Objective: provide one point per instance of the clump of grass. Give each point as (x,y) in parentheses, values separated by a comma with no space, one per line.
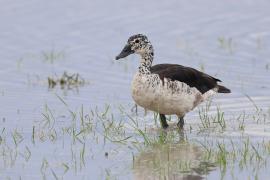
(259,115)
(17,137)
(214,122)
(227,44)
(52,55)
(245,154)
(241,119)
(202,67)
(219,118)
(204,117)
(66,80)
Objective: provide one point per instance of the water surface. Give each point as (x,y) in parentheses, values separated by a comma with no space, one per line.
(227,39)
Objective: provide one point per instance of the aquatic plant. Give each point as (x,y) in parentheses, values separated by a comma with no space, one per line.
(52,55)
(112,130)
(66,80)
(227,44)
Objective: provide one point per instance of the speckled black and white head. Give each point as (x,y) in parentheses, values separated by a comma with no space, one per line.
(138,44)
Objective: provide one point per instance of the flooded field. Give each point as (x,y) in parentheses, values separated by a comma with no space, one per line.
(66,110)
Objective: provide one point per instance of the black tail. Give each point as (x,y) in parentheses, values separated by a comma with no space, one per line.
(222,89)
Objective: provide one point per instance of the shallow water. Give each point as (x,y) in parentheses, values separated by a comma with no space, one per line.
(230,41)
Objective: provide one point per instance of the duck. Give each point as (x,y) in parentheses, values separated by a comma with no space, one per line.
(168,89)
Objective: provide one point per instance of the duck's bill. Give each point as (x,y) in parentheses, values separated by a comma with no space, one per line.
(125,52)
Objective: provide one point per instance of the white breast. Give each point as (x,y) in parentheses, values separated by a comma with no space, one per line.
(167,97)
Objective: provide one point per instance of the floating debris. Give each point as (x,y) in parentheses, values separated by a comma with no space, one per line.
(66,80)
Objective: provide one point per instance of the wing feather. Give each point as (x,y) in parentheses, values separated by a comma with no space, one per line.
(192,77)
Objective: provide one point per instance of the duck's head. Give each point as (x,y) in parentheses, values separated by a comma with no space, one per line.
(138,44)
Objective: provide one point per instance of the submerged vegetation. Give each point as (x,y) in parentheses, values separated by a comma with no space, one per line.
(66,80)
(227,44)
(53,55)
(154,153)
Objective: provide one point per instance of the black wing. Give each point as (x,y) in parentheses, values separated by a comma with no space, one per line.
(192,77)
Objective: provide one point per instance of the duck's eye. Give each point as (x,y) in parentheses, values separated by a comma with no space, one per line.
(136,41)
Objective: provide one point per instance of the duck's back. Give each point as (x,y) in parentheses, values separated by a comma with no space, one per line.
(192,77)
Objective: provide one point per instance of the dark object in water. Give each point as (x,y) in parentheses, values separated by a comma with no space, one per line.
(66,80)
(167,88)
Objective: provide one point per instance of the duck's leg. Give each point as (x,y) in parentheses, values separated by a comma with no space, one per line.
(163,121)
(181,122)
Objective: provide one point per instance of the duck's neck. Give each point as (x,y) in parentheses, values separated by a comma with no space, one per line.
(146,62)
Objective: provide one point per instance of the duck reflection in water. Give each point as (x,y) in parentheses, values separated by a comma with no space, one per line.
(178,160)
